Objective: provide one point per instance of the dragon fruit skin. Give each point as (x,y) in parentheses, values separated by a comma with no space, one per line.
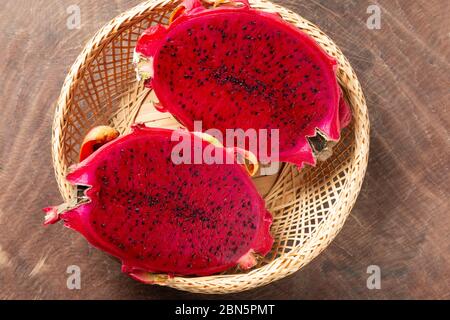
(160,217)
(236,67)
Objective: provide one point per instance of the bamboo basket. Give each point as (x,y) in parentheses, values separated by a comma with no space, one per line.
(309,207)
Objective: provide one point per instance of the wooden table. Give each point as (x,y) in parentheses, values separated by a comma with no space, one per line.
(401,221)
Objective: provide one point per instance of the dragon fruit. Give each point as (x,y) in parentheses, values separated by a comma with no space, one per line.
(234,67)
(158,216)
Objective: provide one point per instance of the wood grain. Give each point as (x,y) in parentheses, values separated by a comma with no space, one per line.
(401,221)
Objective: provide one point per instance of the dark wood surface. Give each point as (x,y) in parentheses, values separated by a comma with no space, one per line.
(401,221)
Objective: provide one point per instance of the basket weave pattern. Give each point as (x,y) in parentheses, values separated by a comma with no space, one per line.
(309,207)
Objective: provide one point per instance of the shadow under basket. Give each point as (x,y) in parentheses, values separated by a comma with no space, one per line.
(309,207)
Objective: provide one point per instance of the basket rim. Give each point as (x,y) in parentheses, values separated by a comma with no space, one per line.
(268,272)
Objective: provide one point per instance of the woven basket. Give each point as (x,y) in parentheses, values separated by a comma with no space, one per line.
(309,207)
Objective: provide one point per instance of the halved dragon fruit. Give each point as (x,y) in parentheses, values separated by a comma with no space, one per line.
(239,68)
(157,216)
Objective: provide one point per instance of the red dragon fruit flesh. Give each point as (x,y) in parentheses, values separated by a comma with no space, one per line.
(158,216)
(234,67)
